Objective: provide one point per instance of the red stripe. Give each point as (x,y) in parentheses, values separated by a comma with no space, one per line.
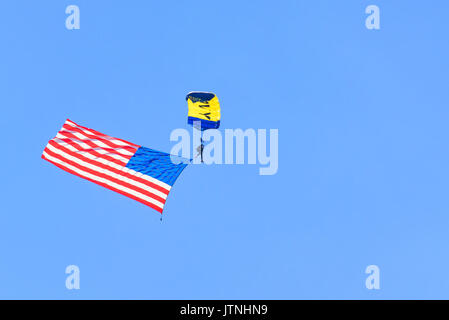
(106,186)
(93,145)
(113,160)
(92,151)
(104,176)
(102,134)
(93,139)
(131,149)
(112,169)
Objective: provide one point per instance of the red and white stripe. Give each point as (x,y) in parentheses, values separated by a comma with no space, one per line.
(102,159)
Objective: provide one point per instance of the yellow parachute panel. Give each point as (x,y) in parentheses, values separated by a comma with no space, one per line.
(204,109)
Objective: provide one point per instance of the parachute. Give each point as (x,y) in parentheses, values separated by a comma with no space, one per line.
(204,112)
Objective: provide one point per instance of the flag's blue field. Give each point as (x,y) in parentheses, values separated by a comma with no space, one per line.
(363,173)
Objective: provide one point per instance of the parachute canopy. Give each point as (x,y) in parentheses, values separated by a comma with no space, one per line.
(204,110)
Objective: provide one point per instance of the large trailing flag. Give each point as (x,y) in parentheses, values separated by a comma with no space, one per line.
(137,172)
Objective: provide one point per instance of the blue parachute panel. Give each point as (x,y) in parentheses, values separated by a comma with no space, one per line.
(205,124)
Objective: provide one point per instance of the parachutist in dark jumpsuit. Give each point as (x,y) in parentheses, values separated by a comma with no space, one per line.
(200,150)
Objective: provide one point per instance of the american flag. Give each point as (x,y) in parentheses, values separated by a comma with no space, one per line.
(140,173)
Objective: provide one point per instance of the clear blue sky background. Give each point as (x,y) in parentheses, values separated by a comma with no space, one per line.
(363,156)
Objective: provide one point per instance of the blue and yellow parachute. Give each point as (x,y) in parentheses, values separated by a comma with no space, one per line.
(204,110)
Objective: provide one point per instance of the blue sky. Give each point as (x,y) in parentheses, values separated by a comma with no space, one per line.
(363,158)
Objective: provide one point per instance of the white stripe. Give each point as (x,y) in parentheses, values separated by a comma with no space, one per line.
(103,136)
(150,179)
(103,170)
(98,142)
(73,124)
(88,147)
(105,181)
(112,164)
(106,172)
